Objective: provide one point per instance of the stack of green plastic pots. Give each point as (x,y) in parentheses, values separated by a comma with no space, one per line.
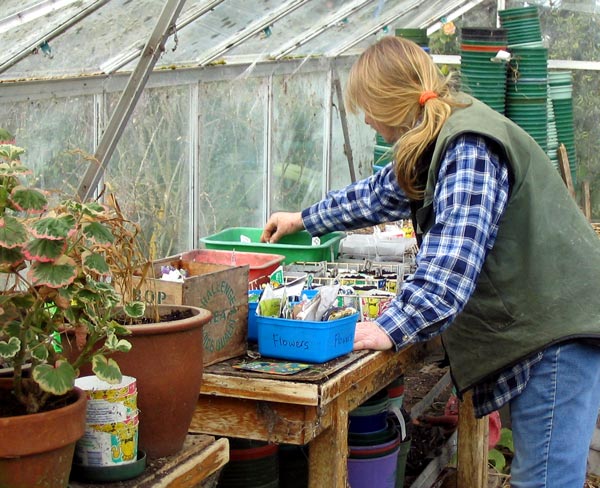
(552,149)
(480,76)
(419,36)
(522,24)
(561,93)
(527,91)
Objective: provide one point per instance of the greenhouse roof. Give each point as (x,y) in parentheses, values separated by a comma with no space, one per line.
(66,38)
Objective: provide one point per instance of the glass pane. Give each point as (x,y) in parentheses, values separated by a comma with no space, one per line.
(149,171)
(297,134)
(53,132)
(361,140)
(447,39)
(231,174)
(85,46)
(215,27)
(293,24)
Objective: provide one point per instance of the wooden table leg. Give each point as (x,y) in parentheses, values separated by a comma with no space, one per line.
(472,469)
(328,452)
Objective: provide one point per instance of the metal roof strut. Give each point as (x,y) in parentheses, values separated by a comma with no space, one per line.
(165,26)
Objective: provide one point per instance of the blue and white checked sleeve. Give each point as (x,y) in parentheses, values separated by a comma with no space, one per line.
(374,200)
(469,200)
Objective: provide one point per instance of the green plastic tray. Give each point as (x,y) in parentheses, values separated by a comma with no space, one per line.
(295,247)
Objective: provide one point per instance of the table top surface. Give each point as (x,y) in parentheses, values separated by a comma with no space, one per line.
(315,372)
(316,385)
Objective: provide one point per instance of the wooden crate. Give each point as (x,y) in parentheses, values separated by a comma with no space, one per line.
(221,289)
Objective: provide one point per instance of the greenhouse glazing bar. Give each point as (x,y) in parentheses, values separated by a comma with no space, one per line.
(31,13)
(30,48)
(329,22)
(373,27)
(249,31)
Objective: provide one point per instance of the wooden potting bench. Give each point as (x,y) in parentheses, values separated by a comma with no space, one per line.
(309,407)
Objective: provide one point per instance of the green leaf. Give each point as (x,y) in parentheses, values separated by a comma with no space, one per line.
(12,232)
(106,369)
(113,343)
(96,263)
(45,250)
(11,153)
(506,439)
(120,330)
(497,459)
(29,199)
(58,379)
(11,256)
(54,227)
(135,309)
(10,349)
(97,232)
(39,352)
(55,275)
(95,207)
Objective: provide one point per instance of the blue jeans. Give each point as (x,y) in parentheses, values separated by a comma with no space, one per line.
(554,418)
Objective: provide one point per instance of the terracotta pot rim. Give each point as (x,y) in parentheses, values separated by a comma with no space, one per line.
(17,423)
(174,325)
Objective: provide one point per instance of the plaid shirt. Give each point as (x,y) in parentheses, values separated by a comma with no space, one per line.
(469,200)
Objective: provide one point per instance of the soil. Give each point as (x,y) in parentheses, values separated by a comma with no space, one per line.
(11,407)
(427,439)
(167,317)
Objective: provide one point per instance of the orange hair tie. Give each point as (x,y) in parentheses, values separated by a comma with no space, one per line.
(427,95)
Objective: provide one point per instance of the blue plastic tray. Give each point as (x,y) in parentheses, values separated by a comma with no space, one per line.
(305,341)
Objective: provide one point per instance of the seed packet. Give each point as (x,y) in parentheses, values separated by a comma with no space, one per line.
(271,367)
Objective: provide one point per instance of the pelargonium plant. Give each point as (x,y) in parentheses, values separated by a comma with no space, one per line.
(60,266)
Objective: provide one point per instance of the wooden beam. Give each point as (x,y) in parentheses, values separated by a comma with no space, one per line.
(321,472)
(565,169)
(260,420)
(587,202)
(472,469)
(344,122)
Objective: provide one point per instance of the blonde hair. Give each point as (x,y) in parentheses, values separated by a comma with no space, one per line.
(386,82)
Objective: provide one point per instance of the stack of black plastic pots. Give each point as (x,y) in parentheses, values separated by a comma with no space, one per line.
(252,464)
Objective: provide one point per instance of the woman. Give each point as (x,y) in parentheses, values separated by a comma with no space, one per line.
(507,269)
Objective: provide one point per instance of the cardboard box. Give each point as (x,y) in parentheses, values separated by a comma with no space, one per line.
(221,289)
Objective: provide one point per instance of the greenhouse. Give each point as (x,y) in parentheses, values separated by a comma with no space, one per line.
(213,127)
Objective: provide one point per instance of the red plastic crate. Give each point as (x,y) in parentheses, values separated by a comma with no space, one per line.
(260,265)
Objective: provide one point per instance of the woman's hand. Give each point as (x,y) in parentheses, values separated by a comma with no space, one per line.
(281,224)
(369,335)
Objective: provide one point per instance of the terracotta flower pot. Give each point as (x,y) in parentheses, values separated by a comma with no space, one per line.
(37,449)
(166,360)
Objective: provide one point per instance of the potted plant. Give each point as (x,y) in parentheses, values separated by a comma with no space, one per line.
(55,261)
(66,271)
